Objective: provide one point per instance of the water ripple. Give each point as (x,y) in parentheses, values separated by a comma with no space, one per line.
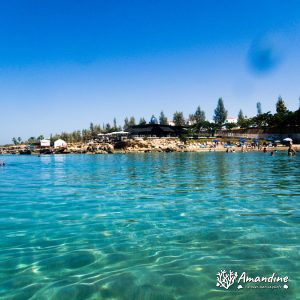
(146,226)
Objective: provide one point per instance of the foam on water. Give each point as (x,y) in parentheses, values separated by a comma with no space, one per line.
(147,226)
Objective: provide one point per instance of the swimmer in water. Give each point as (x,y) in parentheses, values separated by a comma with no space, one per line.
(291,151)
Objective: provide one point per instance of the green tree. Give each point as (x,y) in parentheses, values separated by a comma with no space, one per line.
(258,107)
(107,128)
(230,126)
(66,137)
(262,120)
(131,121)
(241,118)
(85,135)
(220,113)
(115,125)
(75,136)
(178,119)
(31,140)
(163,119)
(41,137)
(15,141)
(142,121)
(126,124)
(210,127)
(199,115)
(280,106)
(91,127)
(92,131)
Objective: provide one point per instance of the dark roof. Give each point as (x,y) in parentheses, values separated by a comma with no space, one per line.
(147,129)
(167,129)
(156,129)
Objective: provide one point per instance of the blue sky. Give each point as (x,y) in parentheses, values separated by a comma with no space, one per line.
(64,64)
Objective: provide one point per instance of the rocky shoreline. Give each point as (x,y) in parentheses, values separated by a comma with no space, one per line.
(133,146)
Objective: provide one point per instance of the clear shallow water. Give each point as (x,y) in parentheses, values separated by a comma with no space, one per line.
(147,226)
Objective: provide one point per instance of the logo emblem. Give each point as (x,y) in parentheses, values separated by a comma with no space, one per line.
(225,280)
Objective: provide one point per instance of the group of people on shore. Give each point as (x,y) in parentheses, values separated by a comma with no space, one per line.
(291,150)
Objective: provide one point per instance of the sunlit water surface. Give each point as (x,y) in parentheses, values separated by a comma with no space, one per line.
(147,226)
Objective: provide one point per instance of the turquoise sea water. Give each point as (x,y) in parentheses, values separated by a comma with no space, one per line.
(147,226)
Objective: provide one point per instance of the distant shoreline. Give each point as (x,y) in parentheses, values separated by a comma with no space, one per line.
(142,146)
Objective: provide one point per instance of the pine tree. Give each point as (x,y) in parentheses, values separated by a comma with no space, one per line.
(220,113)
(115,124)
(163,119)
(258,107)
(280,106)
(126,124)
(107,128)
(178,119)
(142,121)
(241,118)
(131,121)
(199,115)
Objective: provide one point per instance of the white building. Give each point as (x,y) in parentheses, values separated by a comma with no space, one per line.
(231,120)
(60,143)
(170,122)
(45,143)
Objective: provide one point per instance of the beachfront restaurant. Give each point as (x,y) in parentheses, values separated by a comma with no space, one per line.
(112,136)
(156,130)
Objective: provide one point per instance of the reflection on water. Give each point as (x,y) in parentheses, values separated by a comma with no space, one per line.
(147,226)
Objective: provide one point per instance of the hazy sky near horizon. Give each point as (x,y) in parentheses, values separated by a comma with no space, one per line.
(64,64)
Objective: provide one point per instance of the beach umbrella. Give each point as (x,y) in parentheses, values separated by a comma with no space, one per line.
(269,138)
(215,141)
(255,140)
(242,140)
(287,140)
(277,141)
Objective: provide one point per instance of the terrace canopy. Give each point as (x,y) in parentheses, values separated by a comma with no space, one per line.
(156,130)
